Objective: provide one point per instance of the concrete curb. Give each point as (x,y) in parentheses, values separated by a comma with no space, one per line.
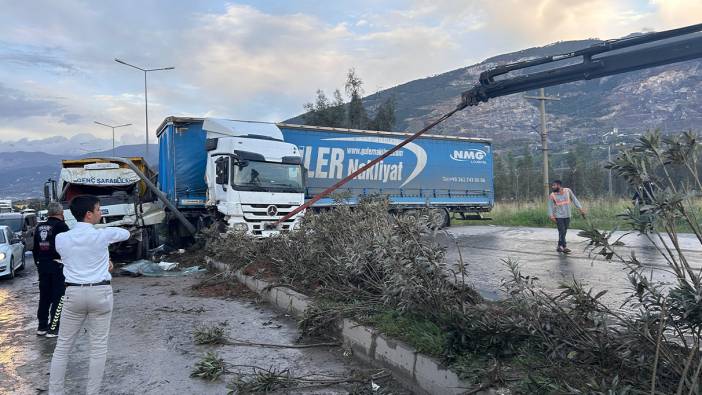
(421,373)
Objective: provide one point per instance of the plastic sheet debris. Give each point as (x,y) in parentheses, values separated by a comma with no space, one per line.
(148,268)
(167,265)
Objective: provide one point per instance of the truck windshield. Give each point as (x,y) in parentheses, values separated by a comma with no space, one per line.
(13,223)
(268,176)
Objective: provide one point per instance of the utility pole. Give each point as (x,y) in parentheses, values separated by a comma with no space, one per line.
(544,135)
(609,158)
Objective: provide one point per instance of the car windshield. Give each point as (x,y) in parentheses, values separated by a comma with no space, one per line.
(268,176)
(14,223)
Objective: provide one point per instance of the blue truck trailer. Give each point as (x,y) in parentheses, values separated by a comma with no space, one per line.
(448,173)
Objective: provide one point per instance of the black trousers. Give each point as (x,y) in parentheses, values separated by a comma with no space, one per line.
(51,289)
(562,225)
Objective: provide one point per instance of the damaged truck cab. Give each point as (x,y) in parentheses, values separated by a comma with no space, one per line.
(125,201)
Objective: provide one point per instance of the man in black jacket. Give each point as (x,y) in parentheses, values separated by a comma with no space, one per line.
(51,280)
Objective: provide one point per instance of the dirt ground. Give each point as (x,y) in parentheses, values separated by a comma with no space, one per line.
(151,350)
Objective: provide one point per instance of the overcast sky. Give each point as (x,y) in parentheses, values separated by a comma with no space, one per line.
(262,60)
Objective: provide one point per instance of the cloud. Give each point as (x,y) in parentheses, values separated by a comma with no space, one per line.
(264,61)
(677,13)
(282,59)
(255,53)
(34,56)
(539,22)
(15,104)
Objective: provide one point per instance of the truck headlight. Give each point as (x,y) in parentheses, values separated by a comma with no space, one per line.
(240,227)
(2,256)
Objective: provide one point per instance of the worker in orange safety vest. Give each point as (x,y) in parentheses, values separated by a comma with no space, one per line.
(559,202)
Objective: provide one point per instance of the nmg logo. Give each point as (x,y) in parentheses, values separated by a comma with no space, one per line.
(471,154)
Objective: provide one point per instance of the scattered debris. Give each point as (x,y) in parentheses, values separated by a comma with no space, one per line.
(219,286)
(148,268)
(167,265)
(210,367)
(213,334)
(193,310)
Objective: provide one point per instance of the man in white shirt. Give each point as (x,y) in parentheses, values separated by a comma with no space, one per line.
(88,298)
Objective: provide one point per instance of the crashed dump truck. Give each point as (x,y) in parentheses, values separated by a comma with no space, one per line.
(125,201)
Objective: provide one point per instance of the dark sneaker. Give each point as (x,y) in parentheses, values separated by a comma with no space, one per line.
(566,250)
(41,332)
(559,249)
(52,333)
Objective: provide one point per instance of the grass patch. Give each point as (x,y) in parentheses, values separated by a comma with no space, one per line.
(603,213)
(209,334)
(419,332)
(210,367)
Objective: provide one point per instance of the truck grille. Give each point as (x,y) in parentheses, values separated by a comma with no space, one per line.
(257,215)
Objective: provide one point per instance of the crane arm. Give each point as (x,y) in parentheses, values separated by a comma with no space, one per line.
(601,60)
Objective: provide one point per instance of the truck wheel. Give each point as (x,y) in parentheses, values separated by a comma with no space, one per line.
(447,218)
(439,218)
(154,238)
(174,234)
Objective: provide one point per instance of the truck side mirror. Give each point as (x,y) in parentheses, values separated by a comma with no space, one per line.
(222,170)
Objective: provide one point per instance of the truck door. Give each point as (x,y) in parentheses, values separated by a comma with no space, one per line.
(222,175)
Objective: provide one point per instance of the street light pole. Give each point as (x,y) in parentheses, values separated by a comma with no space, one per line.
(146,97)
(113,132)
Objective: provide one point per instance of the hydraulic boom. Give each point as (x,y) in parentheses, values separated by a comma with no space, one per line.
(608,58)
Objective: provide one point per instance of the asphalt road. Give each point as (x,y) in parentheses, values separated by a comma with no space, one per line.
(151,350)
(483,249)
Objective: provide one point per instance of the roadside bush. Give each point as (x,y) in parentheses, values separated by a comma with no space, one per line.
(362,254)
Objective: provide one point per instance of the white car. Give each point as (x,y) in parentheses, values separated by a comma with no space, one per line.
(11,253)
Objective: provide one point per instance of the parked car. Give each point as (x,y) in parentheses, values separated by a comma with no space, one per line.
(22,225)
(11,253)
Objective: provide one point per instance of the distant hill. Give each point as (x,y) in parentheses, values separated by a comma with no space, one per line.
(664,97)
(23,173)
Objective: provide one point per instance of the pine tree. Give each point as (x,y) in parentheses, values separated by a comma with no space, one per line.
(385,116)
(337,114)
(356,116)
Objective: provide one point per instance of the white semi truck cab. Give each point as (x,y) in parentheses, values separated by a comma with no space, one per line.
(239,173)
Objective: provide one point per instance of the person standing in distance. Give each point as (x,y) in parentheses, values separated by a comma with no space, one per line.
(559,202)
(88,298)
(51,280)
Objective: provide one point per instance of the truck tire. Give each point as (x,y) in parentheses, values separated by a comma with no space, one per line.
(440,218)
(174,234)
(446,218)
